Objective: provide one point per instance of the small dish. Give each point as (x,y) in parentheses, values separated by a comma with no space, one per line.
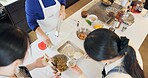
(92,18)
(97,24)
(60,62)
(107,2)
(84,14)
(71,62)
(82,33)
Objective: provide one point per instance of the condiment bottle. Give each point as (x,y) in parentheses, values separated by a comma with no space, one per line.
(119,18)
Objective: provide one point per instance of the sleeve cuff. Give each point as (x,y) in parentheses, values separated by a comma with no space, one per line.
(35,28)
(63,4)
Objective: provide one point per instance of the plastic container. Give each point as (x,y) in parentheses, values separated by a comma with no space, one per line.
(97,24)
(91,18)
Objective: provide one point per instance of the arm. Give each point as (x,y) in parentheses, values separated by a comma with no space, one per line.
(45,38)
(31,66)
(62,12)
(36,64)
(78,71)
(62,9)
(31,16)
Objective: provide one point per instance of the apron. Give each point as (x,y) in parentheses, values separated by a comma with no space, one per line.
(51,15)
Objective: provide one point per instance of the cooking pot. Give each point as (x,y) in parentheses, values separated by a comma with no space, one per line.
(107,2)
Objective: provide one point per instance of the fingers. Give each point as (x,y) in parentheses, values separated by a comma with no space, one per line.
(62,15)
(42,57)
(57,75)
(76,70)
(48,43)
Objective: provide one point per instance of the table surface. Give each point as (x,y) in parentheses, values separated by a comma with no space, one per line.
(136,33)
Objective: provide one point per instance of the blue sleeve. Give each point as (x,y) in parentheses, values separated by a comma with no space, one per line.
(62,2)
(31,15)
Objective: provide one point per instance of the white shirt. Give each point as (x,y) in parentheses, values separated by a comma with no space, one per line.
(113,74)
(116,74)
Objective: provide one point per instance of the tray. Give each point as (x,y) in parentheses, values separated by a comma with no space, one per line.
(99,10)
(71,50)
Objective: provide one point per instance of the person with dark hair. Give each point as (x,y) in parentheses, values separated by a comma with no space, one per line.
(118,57)
(145,7)
(14,47)
(145,4)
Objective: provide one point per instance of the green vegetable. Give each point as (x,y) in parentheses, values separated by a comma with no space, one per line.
(89,22)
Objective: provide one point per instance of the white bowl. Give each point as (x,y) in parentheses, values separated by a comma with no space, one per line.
(92,18)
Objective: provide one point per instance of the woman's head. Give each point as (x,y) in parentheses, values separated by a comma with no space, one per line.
(103,44)
(13,44)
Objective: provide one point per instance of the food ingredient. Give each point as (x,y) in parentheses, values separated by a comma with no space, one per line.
(88,21)
(82,35)
(84,14)
(97,26)
(60,61)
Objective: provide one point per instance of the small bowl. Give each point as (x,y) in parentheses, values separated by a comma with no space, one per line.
(107,2)
(82,33)
(71,62)
(92,18)
(60,61)
(97,24)
(84,14)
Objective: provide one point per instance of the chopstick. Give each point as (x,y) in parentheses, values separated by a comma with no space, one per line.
(52,64)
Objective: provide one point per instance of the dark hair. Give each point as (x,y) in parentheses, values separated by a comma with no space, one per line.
(13,44)
(103,44)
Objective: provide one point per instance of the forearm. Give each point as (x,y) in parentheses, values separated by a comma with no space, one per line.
(62,8)
(40,32)
(78,71)
(31,66)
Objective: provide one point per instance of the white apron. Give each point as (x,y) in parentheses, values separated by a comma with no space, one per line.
(51,15)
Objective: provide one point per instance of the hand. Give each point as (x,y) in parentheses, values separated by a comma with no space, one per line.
(62,14)
(48,43)
(57,75)
(45,38)
(38,63)
(76,70)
